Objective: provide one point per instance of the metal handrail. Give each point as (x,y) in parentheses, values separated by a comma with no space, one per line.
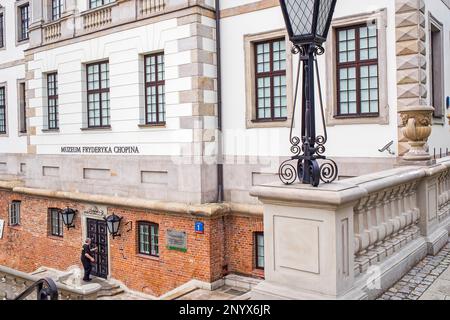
(47,292)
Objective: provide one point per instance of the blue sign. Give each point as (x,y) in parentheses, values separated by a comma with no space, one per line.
(199,227)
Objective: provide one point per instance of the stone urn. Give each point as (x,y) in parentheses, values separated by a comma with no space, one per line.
(417,122)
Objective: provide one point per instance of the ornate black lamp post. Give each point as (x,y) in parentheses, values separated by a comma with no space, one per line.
(308,23)
(113,223)
(68,215)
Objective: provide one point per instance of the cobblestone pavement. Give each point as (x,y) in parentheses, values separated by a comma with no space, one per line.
(428,280)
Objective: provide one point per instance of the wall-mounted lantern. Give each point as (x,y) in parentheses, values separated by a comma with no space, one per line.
(68,216)
(113,222)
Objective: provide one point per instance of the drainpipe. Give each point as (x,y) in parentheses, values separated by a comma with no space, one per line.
(219,107)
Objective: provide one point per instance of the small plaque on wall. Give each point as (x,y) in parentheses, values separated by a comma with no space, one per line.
(2,225)
(176,240)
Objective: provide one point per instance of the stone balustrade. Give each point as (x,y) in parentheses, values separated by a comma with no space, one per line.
(97,18)
(384,222)
(74,23)
(52,31)
(355,238)
(150,7)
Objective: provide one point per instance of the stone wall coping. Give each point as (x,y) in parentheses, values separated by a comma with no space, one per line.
(201,210)
(345,192)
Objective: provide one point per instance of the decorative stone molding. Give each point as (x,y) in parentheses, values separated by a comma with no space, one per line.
(411,60)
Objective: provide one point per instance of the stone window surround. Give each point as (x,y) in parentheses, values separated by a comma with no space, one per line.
(47,13)
(18,4)
(433,22)
(250,85)
(142,123)
(45,127)
(380,17)
(19,120)
(5,85)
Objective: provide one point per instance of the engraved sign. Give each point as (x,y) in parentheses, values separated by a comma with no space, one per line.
(176,240)
(2,225)
(96,211)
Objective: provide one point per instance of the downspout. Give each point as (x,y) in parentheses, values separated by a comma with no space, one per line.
(220,196)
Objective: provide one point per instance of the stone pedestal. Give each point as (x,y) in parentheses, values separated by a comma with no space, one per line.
(309,241)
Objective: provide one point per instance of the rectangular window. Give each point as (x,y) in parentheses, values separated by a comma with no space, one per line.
(271,100)
(22,108)
(2,36)
(98,95)
(155,107)
(2,110)
(97,3)
(57,9)
(259,250)
(52,96)
(14,213)
(436,59)
(24,21)
(56,222)
(148,239)
(357,71)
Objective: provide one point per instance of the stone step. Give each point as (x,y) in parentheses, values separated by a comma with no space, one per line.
(110,292)
(246,283)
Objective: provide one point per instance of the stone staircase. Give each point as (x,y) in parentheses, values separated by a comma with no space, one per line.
(108,289)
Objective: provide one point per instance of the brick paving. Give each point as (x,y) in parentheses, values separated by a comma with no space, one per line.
(427,280)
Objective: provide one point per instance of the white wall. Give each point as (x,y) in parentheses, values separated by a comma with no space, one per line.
(344,141)
(124,50)
(440,138)
(11,54)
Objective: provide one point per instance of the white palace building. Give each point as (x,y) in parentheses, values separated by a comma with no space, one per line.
(169,112)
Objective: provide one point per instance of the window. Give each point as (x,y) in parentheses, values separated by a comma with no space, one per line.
(271,99)
(98,95)
(357,71)
(155,112)
(24,21)
(14,213)
(148,239)
(57,9)
(2,110)
(437,66)
(98,3)
(2,35)
(22,108)
(52,96)
(259,250)
(56,222)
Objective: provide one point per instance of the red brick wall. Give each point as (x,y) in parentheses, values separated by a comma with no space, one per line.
(240,250)
(227,240)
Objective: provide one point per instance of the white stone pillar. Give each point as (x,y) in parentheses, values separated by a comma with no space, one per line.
(309,241)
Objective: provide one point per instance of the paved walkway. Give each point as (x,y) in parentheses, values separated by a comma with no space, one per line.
(429,280)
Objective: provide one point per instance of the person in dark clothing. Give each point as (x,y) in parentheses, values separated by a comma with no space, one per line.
(87,258)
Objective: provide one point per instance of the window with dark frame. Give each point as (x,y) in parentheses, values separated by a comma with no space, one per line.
(22,107)
(155,109)
(2,35)
(357,71)
(259,250)
(52,96)
(2,110)
(24,21)
(148,238)
(56,225)
(14,213)
(98,3)
(98,95)
(57,9)
(270,75)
